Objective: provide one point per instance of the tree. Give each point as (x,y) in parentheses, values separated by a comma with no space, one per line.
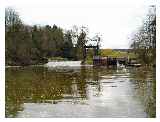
(144,41)
(27,44)
(81,42)
(68,49)
(13,26)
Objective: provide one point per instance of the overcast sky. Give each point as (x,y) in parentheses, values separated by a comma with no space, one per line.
(115,20)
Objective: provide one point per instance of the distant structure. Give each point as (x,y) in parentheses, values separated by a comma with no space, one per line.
(94,47)
(107,61)
(115,62)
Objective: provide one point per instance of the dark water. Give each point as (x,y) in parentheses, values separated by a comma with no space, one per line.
(39,91)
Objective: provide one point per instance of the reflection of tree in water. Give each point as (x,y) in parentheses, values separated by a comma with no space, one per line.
(13,101)
(96,82)
(145,88)
(34,85)
(39,84)
(88,76)
(79,84)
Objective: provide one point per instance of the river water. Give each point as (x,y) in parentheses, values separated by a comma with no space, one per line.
(67,89)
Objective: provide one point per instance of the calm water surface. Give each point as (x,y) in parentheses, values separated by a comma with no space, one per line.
(65,90)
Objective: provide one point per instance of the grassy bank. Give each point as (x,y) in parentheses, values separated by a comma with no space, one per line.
(116,54)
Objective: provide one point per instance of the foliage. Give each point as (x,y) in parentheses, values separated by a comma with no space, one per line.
(27,45)
(144,41)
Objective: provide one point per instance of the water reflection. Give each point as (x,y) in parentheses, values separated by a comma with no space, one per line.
(79,92)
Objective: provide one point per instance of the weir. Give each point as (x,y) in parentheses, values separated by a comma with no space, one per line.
(107,61)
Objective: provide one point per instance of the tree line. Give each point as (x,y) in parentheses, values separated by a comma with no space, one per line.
(144,41)
(25,44)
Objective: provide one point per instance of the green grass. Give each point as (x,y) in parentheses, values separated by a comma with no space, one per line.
(116,54)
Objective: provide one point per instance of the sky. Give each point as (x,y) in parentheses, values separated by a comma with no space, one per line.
(114,20)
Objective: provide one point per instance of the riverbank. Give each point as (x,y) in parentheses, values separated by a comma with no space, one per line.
(18,62)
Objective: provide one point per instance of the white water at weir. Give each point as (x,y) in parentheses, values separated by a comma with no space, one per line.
(64,64)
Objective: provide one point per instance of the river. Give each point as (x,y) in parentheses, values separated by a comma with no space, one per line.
(67,89)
